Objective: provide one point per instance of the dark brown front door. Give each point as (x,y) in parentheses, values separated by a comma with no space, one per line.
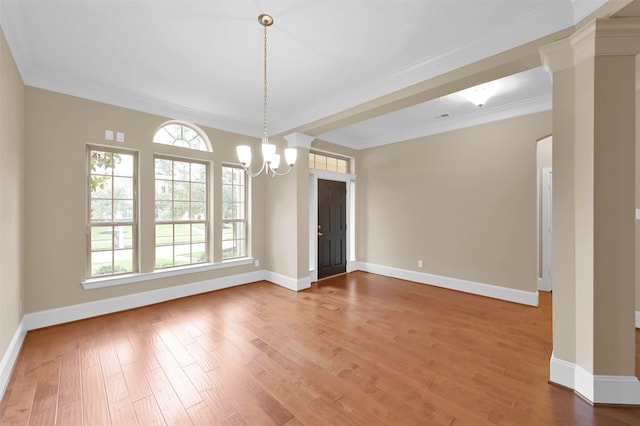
(332,228)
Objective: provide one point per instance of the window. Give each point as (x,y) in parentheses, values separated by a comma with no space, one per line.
(112,212)
(181,134)
(234,213)
(181,233)
(329,163)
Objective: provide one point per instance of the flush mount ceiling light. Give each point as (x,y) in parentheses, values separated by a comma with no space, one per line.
(479,95)
(270,159)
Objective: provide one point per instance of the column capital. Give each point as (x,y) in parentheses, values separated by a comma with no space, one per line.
(600,37)
(558,56)
(299,140)
(617,36)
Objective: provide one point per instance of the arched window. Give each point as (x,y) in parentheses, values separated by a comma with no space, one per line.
(181,134)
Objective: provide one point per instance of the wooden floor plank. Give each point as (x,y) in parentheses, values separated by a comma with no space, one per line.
(213,396)
(70,391)
(148,412)
(358,349)
(94,399)
(201,415)
(45,399)
(171,408)
(122,412)
(17,404)
(137,385)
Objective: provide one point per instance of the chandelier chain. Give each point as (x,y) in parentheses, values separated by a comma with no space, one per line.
(270,158)
(264,124)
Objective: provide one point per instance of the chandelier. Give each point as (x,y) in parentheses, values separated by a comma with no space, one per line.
(270,159)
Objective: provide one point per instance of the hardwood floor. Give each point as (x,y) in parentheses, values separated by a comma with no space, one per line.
(357,349)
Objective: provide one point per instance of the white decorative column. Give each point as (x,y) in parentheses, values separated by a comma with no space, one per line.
(594,182)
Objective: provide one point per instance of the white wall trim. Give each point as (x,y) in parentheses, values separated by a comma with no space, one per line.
(354,266)
(10,356)
(562,372)
(637,319)
(65,314)
(288,282)
(106,306)
(94,283)
(616,390)
(489,290)
(598,389)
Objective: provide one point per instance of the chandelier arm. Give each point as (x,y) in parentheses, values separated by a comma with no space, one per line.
(275,173)
(254,174)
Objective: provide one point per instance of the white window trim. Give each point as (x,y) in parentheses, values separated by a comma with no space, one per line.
(94,283)
(135,222)
(246,220)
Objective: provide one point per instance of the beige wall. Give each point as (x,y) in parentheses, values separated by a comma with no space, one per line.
(58,129)
(464,202)
(637,182)
(281,219)
(11,196)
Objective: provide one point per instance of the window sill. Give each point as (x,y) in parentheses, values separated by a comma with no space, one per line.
(93,283)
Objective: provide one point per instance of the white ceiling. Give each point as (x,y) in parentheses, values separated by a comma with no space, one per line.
(202,60)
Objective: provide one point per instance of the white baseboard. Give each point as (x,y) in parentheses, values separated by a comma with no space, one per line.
(616,390)
(106,306)
(10,356)
(56,316)
(562,373)
(288,282)
(489,290)
(354,265)
(598,389)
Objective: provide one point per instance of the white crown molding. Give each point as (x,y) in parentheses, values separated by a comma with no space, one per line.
(113,97)
(529,298)
(486,115)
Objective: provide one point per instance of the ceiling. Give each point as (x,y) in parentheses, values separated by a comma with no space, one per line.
(201,61)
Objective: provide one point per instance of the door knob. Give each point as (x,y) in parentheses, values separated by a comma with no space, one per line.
(319,234)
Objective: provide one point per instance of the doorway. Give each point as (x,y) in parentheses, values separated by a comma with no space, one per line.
(545,282)
(545,189)
(332,228)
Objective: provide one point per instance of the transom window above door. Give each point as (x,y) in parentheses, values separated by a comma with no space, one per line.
(329,162)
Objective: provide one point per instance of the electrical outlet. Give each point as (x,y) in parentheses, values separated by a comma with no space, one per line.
(420,264)
(108,135)
(256,262)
